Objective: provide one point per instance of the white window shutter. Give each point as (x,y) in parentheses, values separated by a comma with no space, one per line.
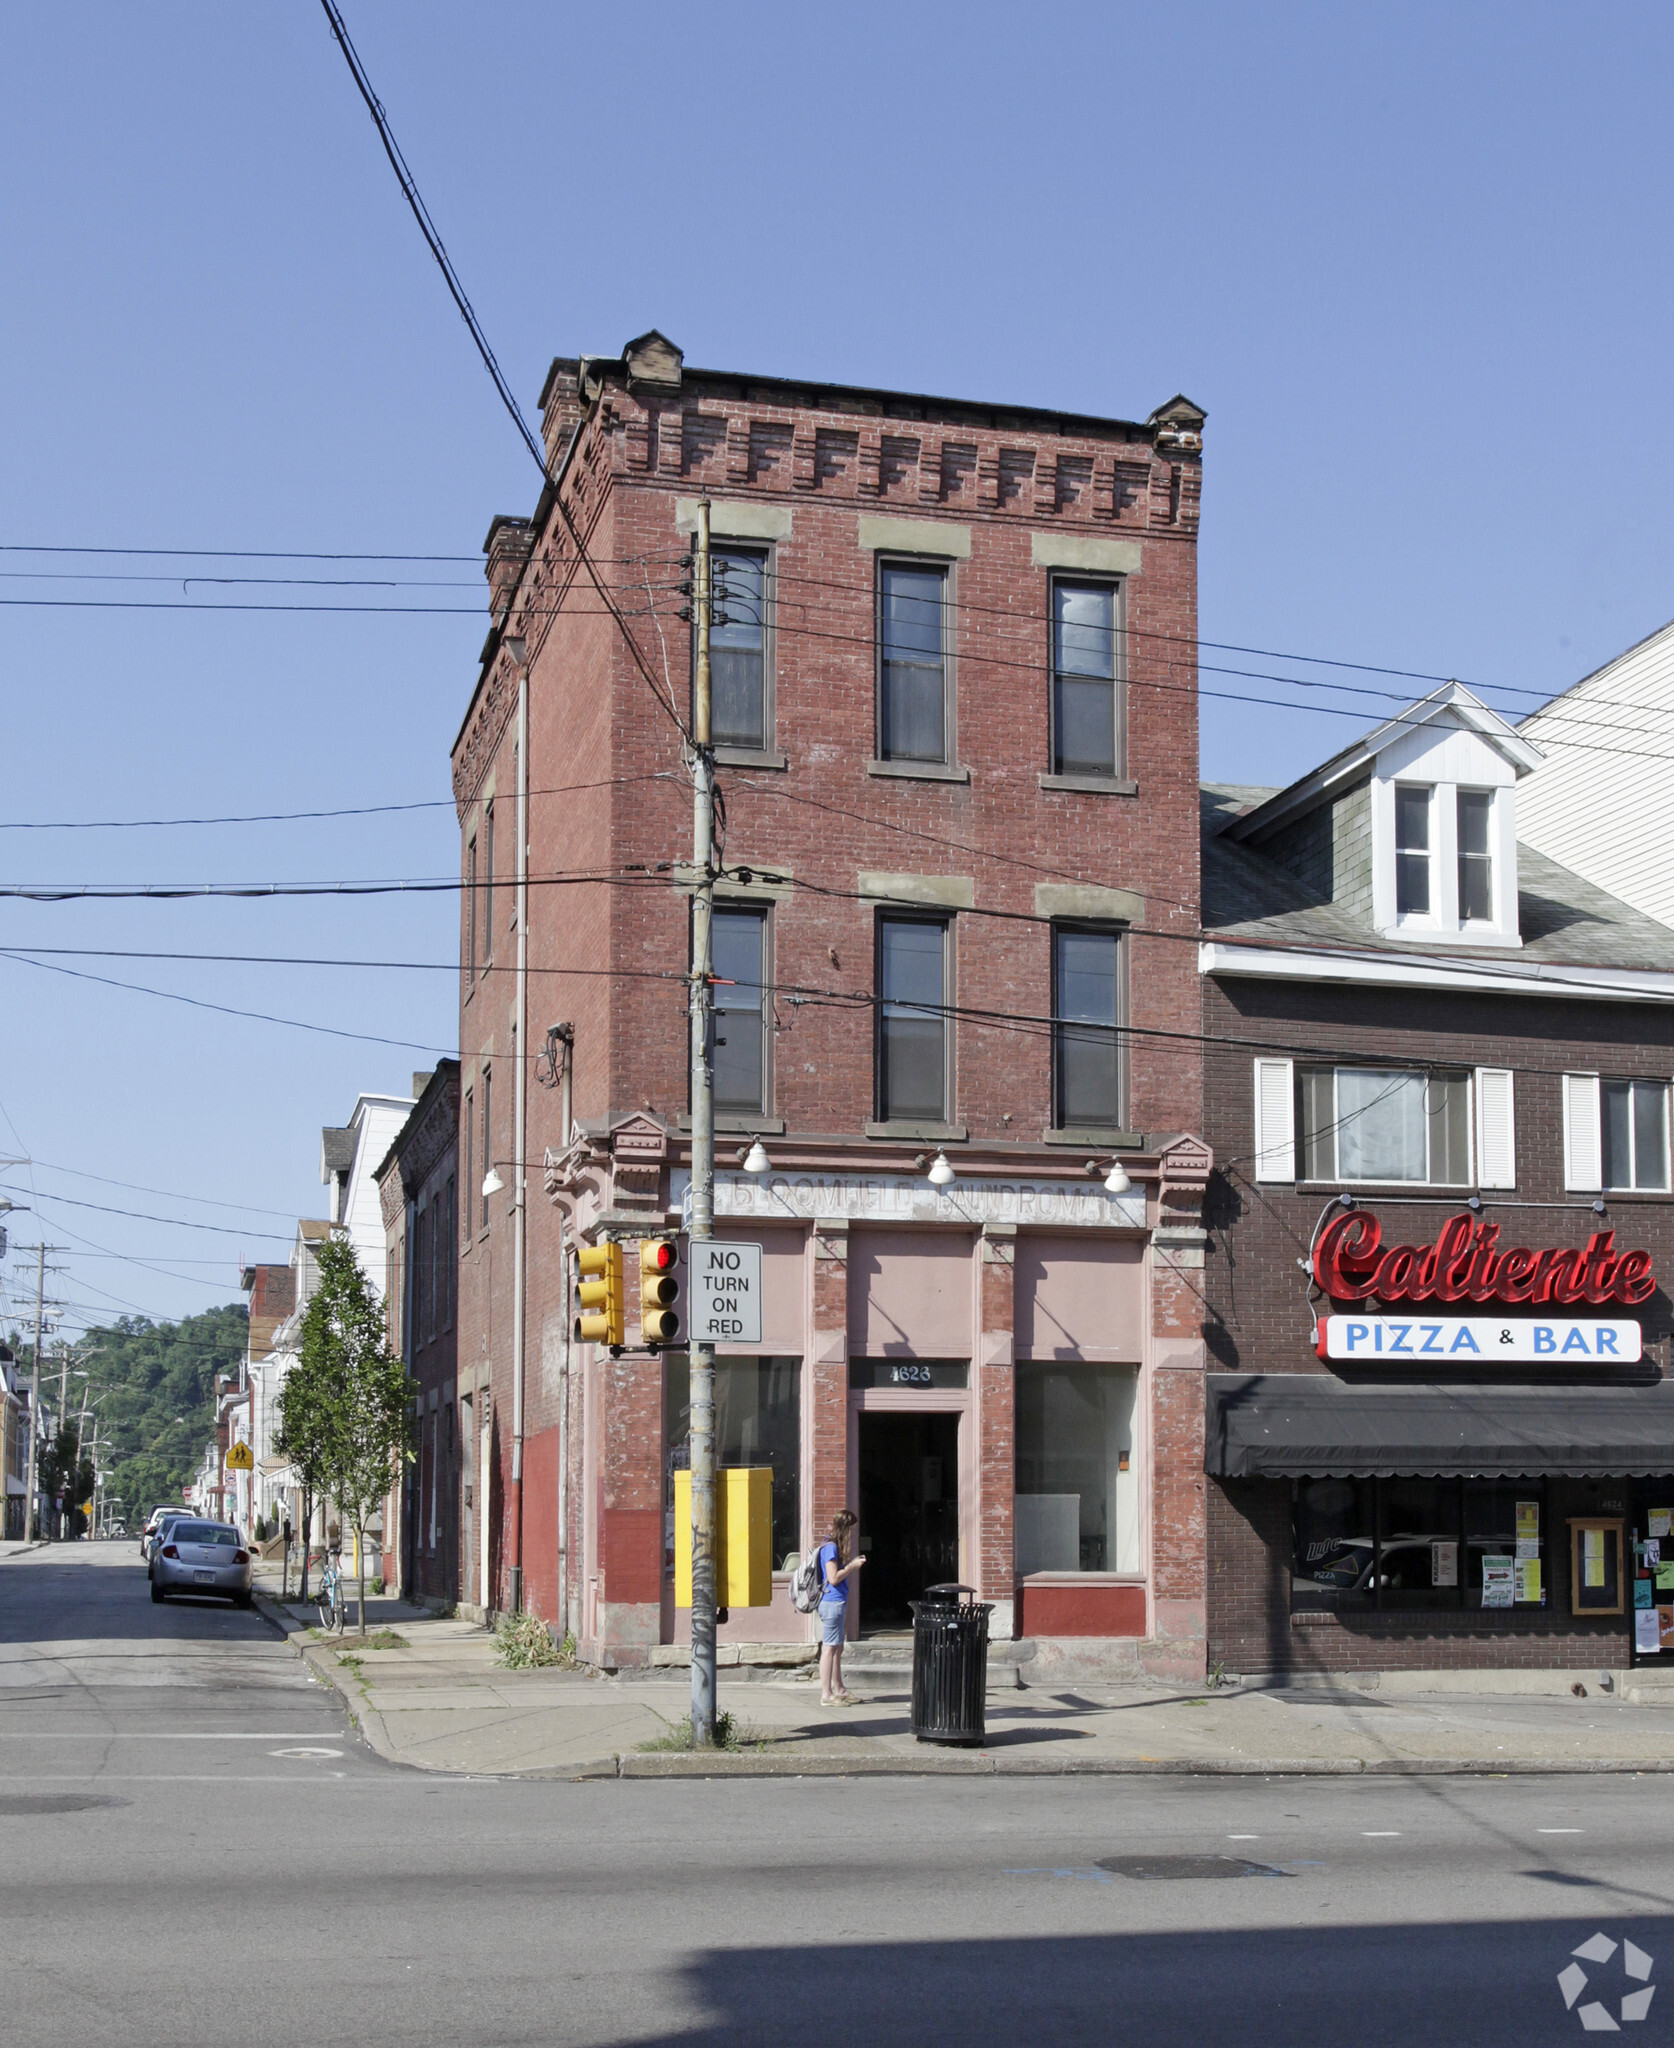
(1583,1150)
(1275,1120)
(1496,1130)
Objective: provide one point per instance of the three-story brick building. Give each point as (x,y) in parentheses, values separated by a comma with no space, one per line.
(956,734)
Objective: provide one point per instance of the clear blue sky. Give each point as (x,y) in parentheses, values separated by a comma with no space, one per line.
(1412,259)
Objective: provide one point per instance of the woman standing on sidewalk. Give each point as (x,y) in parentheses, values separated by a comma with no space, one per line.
(836,1571)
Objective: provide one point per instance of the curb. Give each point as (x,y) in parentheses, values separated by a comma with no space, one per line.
(321,1659)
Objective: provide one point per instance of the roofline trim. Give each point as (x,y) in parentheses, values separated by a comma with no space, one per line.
(1257,961)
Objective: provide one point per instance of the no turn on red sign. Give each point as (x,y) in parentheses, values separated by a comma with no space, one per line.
(724,1292)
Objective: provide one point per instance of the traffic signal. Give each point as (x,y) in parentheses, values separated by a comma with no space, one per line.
(598,1296)
(659,1290)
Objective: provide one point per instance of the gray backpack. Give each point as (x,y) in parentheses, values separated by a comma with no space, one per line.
(808,1587)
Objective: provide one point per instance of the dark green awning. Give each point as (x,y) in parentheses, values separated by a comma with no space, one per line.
(1300,1425)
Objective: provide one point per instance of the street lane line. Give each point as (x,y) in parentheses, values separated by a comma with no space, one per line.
(1379,1834)
(1557,1831)
(1243,1838)
(149,1735)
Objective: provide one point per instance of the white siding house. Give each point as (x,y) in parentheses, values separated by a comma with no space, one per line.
(1599,801)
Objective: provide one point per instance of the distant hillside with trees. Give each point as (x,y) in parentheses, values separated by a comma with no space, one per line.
(158,1384)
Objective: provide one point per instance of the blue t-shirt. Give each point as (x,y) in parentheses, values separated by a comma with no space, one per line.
(837,1595)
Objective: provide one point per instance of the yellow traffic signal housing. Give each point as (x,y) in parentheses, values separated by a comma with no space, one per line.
(659,1290)
(598,1296)
(743,1537)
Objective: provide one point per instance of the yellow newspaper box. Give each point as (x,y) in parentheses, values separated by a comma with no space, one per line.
(743,1537)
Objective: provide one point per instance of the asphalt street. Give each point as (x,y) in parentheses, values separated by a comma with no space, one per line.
(196,1847)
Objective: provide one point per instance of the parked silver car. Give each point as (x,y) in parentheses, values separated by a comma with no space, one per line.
(195,1556)
(151,1534)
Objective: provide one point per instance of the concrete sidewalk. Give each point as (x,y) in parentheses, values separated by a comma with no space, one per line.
(444,1702)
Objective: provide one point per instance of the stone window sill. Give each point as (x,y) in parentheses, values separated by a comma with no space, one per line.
(953,1134)
(744,1126)
(919,771)
(1092,785)
(749,757)
(1126,1141)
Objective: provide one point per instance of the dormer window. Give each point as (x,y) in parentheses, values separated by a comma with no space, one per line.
(1476,856)
(1412,850)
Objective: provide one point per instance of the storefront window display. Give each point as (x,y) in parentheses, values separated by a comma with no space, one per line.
(758,1421)
(1077,1503)
(1443,1544)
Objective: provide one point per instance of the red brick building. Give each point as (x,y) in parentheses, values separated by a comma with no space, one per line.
(1422,1033)
(418,1190)
(956,733)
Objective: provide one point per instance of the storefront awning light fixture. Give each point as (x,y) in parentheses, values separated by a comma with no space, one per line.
(756,1159)
(1116,1181)
(491,1181)
(940,1174)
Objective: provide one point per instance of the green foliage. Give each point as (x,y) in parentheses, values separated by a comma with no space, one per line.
(67,1470)
(524,1643)
(158,1410)
(344,1410)
(729,1735)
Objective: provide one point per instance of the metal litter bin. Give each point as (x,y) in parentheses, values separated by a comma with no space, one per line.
(950,1665)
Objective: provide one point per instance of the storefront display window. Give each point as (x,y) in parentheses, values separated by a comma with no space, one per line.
(1077,1503)
(758,1421)
(1398,1543)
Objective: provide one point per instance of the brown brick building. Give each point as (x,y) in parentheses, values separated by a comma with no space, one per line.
(1415,1023)
(956,729)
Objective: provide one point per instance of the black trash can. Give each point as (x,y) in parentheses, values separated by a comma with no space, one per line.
(950,1665)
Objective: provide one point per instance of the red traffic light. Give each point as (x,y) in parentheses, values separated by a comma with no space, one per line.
(658,1255)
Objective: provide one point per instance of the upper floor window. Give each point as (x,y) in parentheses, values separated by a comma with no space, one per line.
(1635,1134)
(468,1124)
(1086,1010)
(740,714)
(488,880)
(1413,893)
(912,663)
(912,1046)
(1476,855)
(1086,705)
(738,949)
(449,1270)
(1383,1124)
(471,908)
(487,1137)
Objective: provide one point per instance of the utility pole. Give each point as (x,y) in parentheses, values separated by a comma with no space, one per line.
(41,1251)
(703,1157)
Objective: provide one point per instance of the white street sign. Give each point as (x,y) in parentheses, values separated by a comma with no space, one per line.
(724,1292)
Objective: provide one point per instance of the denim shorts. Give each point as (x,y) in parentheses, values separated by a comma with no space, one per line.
(834,1615)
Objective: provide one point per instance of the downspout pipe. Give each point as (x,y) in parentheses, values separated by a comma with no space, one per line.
(520,1125)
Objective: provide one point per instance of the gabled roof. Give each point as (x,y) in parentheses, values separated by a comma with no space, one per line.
(337,1151)
(1452,704)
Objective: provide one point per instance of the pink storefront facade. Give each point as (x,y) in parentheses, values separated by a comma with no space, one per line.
(898,1323)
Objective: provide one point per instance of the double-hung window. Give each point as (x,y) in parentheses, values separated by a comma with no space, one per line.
(488,880)
(468,1124)
(487,1137)
(1086,1015)
(471,909)
(913,723)
(740,712)
(1635,1135)
(738,950)
(912,1046)
(1476,856)
(1413,889)
(1086,703)
(1386,1124)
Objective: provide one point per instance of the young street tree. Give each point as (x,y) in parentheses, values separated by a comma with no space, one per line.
(362,1392)
(66,1474)
(304,1434)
